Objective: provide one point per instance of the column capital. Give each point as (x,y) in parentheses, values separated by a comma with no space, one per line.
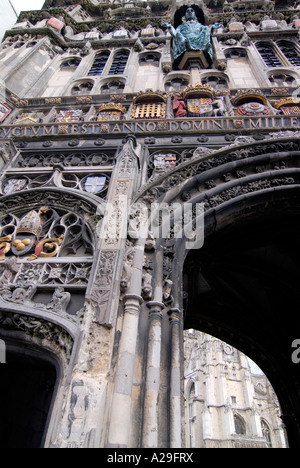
(132,301)
(155,305)
(175,314)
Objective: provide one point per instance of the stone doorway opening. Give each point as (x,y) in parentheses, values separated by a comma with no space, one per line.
(242,287)
(28,383)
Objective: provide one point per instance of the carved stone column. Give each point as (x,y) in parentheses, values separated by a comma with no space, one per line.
(150,419)
(175,380)
(120,420)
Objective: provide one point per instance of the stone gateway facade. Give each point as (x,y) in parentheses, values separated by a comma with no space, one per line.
(143,194)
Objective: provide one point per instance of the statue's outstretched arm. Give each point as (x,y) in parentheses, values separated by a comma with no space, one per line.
(216,26)
(169,27)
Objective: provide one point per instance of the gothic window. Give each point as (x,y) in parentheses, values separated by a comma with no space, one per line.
(96,183)
(290,52)
(71,63)
(235,53)
(114,86)
(176,84)
(149,58)
(268,54)
(266,432)
(119,62)
(282,79)
(99,63)
(57,245)
(239,425)
(82,88)
(216,82)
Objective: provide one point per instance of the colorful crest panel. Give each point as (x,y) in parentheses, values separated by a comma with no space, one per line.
(95,184)
(65,116)
(199,106)
(165,160)
(253,108)
(14,185)
(108,115)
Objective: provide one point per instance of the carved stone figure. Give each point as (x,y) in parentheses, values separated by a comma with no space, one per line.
(179,107)
(127,269)
(60,300)
(147,286)
(167,294)
(191,35)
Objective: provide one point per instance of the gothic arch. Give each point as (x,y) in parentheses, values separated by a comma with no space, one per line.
(247,189)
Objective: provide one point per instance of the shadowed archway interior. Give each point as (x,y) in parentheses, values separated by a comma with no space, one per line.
(27,385)
(243,287)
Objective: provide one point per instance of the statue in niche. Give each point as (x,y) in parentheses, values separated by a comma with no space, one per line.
(179,106)
(191,35)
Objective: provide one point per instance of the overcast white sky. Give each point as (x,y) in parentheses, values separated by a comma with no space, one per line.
(25,5)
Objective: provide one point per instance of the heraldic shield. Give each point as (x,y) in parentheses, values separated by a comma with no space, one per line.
(28,232)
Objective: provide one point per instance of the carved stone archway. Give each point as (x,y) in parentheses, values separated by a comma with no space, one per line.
(38,355)
(251,185)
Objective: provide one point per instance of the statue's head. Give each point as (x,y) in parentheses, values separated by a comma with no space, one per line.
(190,14)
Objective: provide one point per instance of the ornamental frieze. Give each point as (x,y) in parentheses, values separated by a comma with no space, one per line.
(144,127)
